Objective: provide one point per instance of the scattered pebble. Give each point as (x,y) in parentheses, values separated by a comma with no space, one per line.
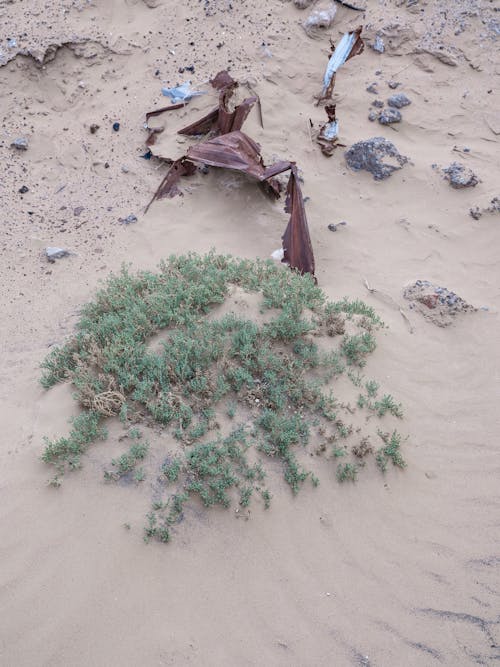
(398,101)
(78,210)
(21,143)
(393,84)
(372,88)
(333,228)
(460,176)
(389,116)
(129,220)
(369,155)
(378,44)
(494,207)
(377,103)
(93,128)
(116,127)
(23,190)
(372,116)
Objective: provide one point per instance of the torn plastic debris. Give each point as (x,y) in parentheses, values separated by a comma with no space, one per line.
(329,132)
(182,93)
(349,46)
(230,148)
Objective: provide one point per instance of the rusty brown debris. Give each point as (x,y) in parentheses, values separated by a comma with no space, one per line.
(230,148)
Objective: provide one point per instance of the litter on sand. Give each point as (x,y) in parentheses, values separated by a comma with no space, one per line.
(329,132)
(182,93)
(349,46)
(228,147)
(320,18)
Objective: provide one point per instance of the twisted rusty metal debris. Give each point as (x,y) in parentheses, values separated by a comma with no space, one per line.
(230,148)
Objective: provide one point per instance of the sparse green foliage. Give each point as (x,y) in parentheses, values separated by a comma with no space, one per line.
(356,348)
(272,371)
(347,472)
(388,404)
(390,451)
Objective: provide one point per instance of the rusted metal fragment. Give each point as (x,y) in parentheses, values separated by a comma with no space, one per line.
(297,247)
(221,120)
(229,121)
(349,46)
(202,126)
(329,132)
(157,112)
(151,140)
(235,150)
(231,148)
(169,186)
(222,80)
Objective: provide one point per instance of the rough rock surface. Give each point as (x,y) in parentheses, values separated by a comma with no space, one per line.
(370,155)
(435,303)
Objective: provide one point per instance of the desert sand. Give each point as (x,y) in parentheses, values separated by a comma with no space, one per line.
(390,571)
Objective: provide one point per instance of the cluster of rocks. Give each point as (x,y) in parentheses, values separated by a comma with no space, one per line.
(494,208)
(437,304)
(391,113)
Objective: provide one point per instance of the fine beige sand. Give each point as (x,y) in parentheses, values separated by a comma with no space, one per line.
(401,570)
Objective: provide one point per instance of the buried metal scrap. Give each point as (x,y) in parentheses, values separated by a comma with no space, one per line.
(349,46)
(230,148)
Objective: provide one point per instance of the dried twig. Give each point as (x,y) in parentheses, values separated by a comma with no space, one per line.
(388,299)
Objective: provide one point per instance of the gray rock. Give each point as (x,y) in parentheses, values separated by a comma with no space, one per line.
(21,143)
(377,103)
(370,154)
(393,84)
(372,88)
(372,116)
(460,176)
(389,116)
(378,44)
(53,253)
(398,101)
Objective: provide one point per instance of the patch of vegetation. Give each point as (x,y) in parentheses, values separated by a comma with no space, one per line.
(390,451)
(347,472)
(207,371)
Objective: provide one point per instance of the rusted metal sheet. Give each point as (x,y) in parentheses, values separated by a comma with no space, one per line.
(231,148)
(297,247)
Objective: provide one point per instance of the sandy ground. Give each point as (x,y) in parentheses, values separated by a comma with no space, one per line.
(396,571)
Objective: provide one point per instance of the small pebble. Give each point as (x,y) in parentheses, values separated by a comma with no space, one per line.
(116,127)
(393,84)
(372,116)
(129,220)
(23,190)
(93,128)
(333,228)
(372,88)
(378,44)
(377,103)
